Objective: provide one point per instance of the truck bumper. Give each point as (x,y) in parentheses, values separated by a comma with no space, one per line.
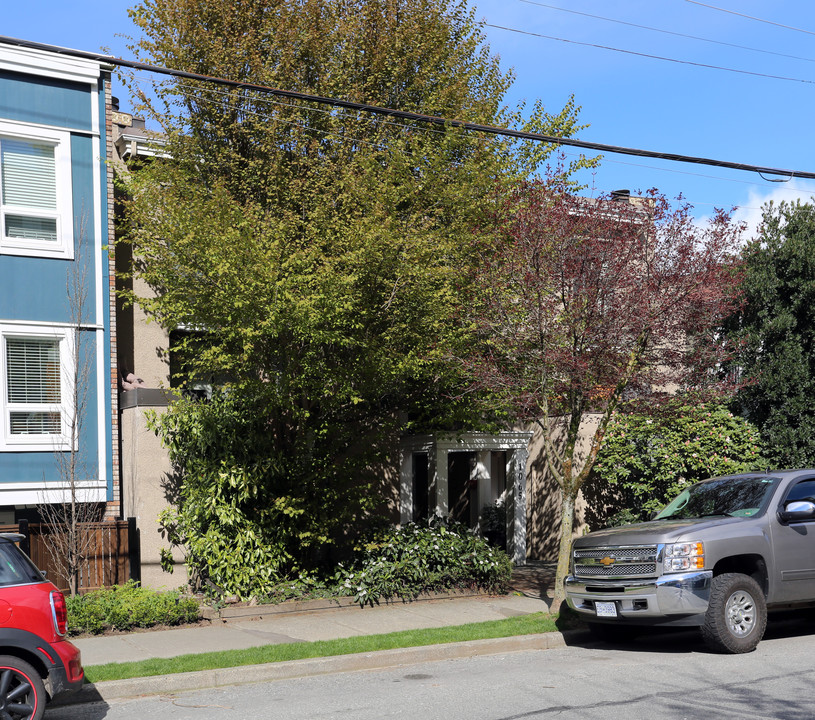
(679,599)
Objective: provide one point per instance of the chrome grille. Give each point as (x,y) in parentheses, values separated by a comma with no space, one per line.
(617,570)
(619,552)
(616,562)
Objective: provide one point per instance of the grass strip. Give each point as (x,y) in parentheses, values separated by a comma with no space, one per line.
(521,625)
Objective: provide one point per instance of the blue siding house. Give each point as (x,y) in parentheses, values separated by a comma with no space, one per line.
(58,400)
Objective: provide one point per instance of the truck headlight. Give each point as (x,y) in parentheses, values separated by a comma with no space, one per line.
(684,556)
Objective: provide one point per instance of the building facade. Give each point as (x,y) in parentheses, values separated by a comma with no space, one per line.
(58,374)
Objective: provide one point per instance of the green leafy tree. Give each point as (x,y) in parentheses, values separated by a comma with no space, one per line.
(648,458)
(319,251)
(776,329)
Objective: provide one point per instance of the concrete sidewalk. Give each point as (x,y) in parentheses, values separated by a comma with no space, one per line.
(289,627)
(287,623)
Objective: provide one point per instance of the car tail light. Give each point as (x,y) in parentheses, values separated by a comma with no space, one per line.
(59,611)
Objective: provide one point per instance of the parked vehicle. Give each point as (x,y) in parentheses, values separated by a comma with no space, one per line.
(37,663)
(719,556)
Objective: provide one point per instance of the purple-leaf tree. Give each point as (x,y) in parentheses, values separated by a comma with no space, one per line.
(584,302)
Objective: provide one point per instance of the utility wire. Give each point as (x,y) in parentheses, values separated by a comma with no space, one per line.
(787,188)
(194,91)
(195,94)
(667,32)
(750,17)
(647,55)
(405,115)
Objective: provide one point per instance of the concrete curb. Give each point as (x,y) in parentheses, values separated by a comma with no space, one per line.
(247,674)
(230,613)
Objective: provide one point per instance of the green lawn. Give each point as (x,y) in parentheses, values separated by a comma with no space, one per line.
(522,625)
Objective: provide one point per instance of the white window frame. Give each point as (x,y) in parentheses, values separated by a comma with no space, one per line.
(63,248)
(67,352)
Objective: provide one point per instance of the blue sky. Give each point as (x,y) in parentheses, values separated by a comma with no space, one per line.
(627,99)
(641,102)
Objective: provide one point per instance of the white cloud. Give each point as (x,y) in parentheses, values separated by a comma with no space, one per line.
(750,211)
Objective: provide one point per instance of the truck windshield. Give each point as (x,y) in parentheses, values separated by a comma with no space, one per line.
(736,497)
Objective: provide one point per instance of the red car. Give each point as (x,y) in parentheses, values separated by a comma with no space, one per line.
(37,663)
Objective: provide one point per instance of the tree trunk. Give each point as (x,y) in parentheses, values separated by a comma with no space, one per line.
(567,505)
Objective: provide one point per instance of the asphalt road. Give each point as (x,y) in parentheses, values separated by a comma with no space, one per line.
(665,676)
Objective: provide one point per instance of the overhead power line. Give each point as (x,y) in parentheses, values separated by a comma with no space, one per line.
(667,32)
(750,17)
(405,115)
(195,91)
(649,56)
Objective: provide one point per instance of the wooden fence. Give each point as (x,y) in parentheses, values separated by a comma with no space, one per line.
(112,557)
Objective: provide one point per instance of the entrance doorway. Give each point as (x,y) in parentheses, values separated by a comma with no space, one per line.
(463,488)
(464,476)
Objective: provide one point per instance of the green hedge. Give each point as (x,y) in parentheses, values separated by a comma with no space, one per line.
(124,607)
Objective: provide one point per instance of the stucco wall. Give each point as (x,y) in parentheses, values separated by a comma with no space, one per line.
(543,493)
(143,343)
(146,470)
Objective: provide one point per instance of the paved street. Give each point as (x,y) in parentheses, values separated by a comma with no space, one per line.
(663,676)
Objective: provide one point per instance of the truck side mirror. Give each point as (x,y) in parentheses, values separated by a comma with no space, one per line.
(798,511)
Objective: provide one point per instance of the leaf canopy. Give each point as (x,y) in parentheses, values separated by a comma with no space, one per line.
(319,254)
(776,333)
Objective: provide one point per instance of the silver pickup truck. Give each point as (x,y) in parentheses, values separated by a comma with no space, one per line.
(718,557)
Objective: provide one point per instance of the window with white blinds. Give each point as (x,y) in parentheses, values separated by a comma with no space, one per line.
(35,190)
(33,379)
(33,399)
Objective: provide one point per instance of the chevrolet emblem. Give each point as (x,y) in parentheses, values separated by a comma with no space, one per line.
(607,561)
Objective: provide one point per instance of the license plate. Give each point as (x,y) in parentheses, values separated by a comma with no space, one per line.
(605,609)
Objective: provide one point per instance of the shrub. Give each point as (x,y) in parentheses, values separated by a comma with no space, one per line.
(124,607)
(411,560)
(651,457)
(249,513)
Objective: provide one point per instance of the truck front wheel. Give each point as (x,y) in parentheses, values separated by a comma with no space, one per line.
(736,616)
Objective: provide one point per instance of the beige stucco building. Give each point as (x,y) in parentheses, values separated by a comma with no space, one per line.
(144,388)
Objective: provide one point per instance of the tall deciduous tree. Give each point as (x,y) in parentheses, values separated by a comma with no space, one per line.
(776,328)
(590,300)
(320,249)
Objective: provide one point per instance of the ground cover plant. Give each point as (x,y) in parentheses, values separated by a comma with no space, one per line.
(129,606)
(414,559)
